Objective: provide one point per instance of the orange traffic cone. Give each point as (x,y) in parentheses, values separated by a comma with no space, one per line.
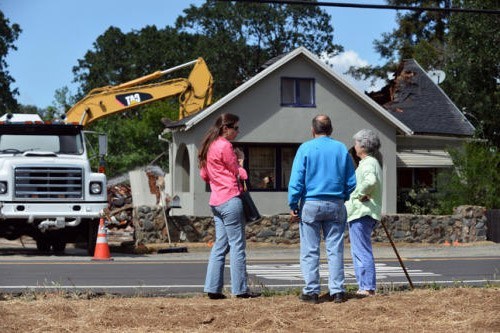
(101,251)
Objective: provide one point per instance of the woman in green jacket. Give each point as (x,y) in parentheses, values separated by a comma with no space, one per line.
(364,209)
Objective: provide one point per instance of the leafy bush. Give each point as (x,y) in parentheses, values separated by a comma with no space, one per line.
(419,201)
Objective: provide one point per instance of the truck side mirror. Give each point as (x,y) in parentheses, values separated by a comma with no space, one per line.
(103,144)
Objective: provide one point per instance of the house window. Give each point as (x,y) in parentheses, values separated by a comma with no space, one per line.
(262,167)
(405,178)
(411,182)
(268,166)
(411,177)
(297,92)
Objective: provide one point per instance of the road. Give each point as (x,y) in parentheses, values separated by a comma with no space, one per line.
(273,268)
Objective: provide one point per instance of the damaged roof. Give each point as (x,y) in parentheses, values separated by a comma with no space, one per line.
(414,99)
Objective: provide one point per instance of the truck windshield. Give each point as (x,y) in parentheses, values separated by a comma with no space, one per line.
(56,141)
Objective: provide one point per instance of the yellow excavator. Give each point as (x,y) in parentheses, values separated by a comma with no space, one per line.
(195,93)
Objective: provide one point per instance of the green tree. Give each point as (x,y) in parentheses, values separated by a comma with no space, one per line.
(62,101)
(474,178)
(8,35)
(236,39)
(473,67)
(419,35)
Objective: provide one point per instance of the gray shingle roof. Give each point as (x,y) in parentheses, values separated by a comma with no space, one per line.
(414,99)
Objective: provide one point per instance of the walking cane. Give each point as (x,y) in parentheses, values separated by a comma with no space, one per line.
(397,254)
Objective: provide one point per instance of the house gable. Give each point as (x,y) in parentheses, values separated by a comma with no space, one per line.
(186,124)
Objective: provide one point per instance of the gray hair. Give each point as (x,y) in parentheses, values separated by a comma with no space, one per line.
(368,140)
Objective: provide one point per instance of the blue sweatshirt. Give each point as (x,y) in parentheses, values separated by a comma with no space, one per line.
(322,170)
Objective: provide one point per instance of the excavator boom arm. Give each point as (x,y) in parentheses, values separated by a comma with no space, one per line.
(195,93)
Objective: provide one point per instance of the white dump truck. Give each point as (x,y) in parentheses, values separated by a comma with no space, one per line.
(47,188)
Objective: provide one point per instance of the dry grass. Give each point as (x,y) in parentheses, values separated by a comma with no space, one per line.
(423,310)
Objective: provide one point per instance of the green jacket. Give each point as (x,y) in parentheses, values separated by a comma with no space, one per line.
(368,182)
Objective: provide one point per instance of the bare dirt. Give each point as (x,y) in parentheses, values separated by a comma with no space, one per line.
(457,309)
(422,310)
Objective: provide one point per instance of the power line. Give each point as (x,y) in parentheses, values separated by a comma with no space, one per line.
(365,6)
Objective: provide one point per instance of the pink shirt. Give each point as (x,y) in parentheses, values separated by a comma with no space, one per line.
(221,172)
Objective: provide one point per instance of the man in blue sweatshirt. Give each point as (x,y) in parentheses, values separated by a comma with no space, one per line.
(322,179)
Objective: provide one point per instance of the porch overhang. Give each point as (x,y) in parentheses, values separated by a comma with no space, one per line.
(423,158)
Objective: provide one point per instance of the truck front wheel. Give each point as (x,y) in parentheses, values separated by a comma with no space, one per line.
(58,246)
(43,244)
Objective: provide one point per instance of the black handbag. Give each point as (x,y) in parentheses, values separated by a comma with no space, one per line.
(251,212)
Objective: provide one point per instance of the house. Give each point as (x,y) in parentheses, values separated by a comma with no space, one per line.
(276,108)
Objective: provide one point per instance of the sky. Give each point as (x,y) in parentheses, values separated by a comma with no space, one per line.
(56,33)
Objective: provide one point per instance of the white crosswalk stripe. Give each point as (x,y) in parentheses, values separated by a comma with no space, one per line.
(291,272)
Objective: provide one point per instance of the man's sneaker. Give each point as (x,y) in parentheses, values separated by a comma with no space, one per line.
(216,296)
(309,298)
(337,298)
(249,295)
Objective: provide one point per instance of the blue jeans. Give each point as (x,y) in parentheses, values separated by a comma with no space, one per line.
(229,238)
(330,217)
(360,231)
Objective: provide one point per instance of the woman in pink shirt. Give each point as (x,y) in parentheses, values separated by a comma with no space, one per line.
(220,167)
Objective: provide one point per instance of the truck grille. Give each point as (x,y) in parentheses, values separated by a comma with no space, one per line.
(48,183)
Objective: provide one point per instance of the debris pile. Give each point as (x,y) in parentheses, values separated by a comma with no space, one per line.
(120,205)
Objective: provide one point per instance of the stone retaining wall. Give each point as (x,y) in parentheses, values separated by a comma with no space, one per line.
(467,224)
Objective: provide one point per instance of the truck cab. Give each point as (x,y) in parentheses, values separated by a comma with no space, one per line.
(47,188)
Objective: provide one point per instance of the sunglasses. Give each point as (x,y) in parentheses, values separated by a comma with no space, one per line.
(236,128)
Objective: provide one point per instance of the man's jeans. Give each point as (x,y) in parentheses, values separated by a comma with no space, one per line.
(330,217)
(360,231)
(230,237)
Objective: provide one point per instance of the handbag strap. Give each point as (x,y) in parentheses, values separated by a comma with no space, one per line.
(241,183)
